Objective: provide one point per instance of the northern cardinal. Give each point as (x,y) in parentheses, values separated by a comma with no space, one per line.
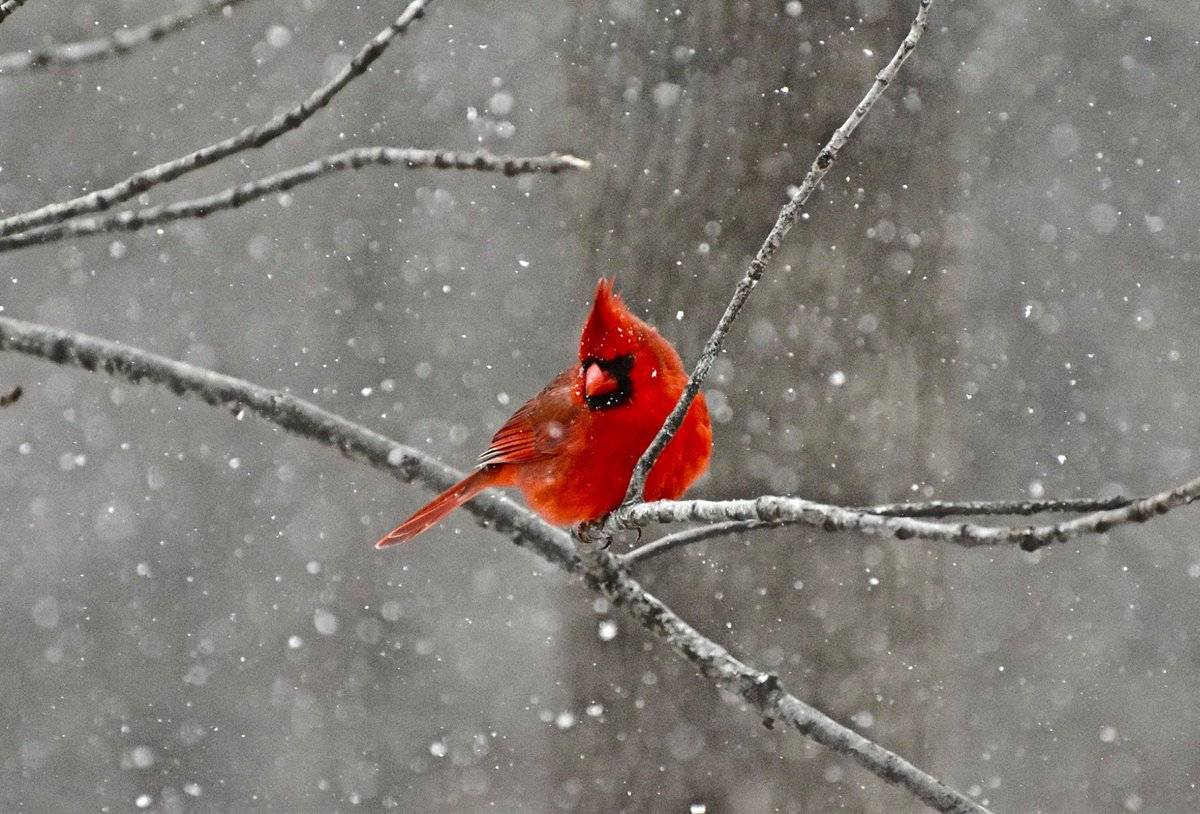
(571,448)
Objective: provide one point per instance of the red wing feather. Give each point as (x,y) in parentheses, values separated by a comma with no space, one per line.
(513,444)
(538,428)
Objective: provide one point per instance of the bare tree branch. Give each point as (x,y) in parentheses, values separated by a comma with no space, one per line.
(763,691)
(787,216)
(979,508)
(932,508)
(686,537)
(293,414)
(793,510)
(234,197)
(115,44)
(601,570)
(8,7)
(250,138)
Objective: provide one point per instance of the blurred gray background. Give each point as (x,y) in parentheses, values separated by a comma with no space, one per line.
(995,296)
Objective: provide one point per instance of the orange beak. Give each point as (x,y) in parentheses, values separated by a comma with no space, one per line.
(596,382)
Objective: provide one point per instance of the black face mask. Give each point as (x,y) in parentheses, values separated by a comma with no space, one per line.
(619,368)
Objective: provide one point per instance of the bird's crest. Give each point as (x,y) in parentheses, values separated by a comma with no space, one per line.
(611,329)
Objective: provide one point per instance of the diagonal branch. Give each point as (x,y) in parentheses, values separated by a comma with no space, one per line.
(115,44)
(787,217)
(774,510)
(601,571)
(231,198)
(8,7)
(248,139)
(932,508)
(292,414)
(763,691)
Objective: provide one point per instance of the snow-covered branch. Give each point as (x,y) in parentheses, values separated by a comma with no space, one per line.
(783,224)
(773,510)
(762,691)
(115,44)
(250,138)
(931,508)
(411,158)
(601,570)
(285,410)
(979,508)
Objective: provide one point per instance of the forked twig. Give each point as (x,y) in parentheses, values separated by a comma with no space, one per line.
(774,510)
(250,138)
(931,508)
(132,220)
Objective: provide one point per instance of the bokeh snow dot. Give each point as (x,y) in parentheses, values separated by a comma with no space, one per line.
(325,622)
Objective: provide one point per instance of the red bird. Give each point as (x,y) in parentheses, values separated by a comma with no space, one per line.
(571,448)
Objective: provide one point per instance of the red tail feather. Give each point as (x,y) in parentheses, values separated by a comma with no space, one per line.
(439,507)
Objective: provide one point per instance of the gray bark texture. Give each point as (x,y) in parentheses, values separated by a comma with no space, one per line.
(686,193)
(993,297)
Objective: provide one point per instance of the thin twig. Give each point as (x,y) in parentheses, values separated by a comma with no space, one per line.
(763,691)
(932,508)
(117,43)
(686,537)
(793,510)
(234,197)
(8,7)
(787,217)
(250,138)
(980,508)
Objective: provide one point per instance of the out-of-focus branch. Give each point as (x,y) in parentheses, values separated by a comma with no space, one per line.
(793,510)
(234,197)
(601,571)
(787,217)
(250,138)
(931,508)
(8,7)
(115,44)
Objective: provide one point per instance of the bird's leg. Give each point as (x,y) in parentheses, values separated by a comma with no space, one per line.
(602,569)
(593,533)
